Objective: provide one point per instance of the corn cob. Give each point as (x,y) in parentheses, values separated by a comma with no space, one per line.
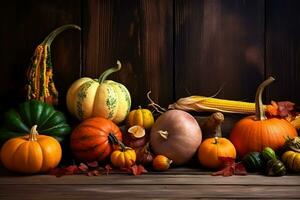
(210,104)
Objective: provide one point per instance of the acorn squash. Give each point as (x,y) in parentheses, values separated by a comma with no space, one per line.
(17,122)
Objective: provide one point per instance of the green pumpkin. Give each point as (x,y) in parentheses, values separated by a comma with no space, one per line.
(18,122)
(268,154)
(275,168)
(253,162)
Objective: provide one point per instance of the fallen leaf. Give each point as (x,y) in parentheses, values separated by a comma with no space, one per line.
(230,168)
(83,167)
(93,164)
(107,168)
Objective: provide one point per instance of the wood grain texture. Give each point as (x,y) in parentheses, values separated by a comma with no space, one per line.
(151,179)
(149,192)
(219,42)
(23,26)
(139,34)
(283,49)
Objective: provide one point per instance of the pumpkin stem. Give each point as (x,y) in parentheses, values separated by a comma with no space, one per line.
(157,107)
(216,140)
(163,134)
(114,140)
(259,107)
(33,133)
(109,71)
(48,40)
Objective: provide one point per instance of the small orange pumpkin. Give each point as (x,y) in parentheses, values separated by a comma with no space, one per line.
(254,133)
(123,157)
(161,163)
(212,148)
(30,154)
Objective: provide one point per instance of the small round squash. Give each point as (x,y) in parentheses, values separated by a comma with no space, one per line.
(161,163)
(99,98)
(31,154)
(212,148)
(292,160)
(141,117)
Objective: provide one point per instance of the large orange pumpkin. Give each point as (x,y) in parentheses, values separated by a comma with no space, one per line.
(254,133)
(30,154)
(92,139)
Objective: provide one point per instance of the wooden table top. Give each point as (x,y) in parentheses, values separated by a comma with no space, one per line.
(177,183)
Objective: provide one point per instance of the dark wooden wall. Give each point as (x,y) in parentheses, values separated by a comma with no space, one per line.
(174,48)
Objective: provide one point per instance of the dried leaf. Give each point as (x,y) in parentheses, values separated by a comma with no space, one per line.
(72,169)
(93,164)
(93,173)
(230,168)
(240,169)
(284,108)
(107,168)
(83,167)
(280,109)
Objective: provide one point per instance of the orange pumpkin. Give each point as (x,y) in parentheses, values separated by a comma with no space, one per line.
(212,148)
(254,133)
(30,154)
(123,157)
(161,163)
(93,139)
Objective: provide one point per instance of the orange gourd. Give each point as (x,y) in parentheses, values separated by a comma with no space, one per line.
(254,133)
(93,139)
(212,148)
(30,154)
(161,163)
(122,157)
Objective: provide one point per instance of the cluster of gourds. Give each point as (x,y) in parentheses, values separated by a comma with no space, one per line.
(173,138)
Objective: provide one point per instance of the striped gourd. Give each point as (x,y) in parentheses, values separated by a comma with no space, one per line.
(252,161)
(89,97)
(268,154)
(275,168)
(40,84)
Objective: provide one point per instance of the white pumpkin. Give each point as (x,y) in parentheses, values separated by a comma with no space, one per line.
(89,97)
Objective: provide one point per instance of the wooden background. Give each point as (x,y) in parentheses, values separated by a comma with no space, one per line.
(174,48)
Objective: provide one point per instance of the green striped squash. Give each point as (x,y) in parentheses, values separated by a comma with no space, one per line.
(99,98)
(268,154)
(275,168)
(252,161)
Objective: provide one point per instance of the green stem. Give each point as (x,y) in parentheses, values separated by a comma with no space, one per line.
(114,140)
(109,71)
(48,40)
(259,107)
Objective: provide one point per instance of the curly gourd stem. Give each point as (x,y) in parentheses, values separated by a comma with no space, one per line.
(48,40)
(109,71)
(114,140)
(154,105)
(259,107)
(33,133)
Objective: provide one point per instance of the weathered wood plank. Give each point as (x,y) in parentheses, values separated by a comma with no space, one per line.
(150,191)
(283,49)
(139,34)
(219,42)
(152,179)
